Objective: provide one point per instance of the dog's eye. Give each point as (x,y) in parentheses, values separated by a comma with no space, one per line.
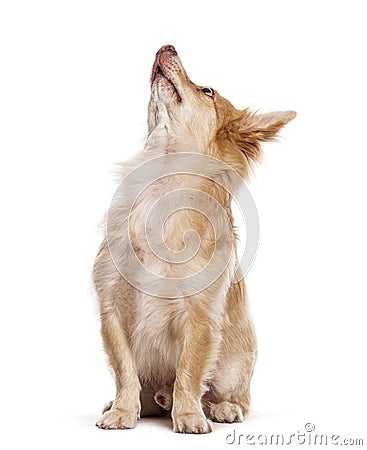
(208,91)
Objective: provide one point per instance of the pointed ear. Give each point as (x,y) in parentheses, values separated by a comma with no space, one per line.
(265,127)
(248,130)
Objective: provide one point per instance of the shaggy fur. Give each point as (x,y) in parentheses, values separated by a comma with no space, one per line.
(193,356)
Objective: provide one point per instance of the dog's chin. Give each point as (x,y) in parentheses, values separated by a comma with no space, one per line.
(165,89)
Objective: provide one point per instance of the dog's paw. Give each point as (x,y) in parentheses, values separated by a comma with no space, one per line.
(117,419)
(164,399)
(226,412)
(192,423)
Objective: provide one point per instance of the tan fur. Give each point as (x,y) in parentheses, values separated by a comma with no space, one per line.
(193,356)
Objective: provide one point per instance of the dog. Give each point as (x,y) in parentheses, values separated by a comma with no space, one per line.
(185,348)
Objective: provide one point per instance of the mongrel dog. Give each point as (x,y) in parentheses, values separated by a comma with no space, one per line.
(192,355)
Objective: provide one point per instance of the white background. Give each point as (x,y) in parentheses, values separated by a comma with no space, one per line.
(74,85)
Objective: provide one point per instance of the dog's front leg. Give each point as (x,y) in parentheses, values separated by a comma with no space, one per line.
(199,352)
(125,410)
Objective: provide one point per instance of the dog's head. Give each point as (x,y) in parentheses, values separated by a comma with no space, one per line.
(198,116)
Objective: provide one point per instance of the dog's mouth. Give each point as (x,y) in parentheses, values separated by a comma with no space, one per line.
(162,68)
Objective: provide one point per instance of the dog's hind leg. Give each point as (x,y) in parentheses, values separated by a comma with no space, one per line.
(231,393)
(230,386)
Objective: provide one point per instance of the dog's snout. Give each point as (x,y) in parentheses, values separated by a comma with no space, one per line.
(167,48)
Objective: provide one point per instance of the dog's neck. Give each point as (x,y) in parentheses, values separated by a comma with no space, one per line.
(159,141)
(166,138)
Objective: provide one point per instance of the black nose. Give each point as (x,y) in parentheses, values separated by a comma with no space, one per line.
(167,48)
